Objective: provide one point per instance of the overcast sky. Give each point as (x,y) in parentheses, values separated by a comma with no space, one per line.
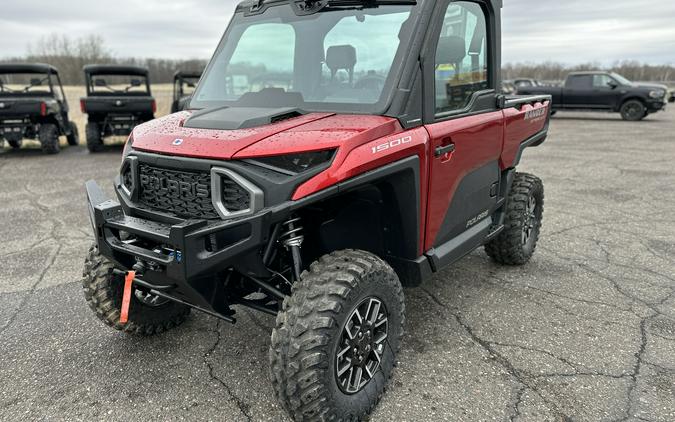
(568,31)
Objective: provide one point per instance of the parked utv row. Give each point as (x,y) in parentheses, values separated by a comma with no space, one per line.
(33,104)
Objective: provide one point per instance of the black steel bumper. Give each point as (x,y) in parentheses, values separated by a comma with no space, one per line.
(181,257)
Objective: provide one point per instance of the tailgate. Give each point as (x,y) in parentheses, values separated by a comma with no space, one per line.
(526,120)
(10,108)
(131,105)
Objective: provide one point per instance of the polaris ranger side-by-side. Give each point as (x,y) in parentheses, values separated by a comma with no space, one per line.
(33,106)
(333,151)
(118,99)
(184,84)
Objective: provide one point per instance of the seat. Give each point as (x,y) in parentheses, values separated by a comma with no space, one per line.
(341,57)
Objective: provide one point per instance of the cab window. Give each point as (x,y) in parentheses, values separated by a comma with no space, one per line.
(602,81)
(461,56)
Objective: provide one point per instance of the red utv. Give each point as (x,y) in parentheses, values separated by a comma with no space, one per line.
(333,152)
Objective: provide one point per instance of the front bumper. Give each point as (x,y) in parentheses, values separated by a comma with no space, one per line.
(654,106)
(181,257)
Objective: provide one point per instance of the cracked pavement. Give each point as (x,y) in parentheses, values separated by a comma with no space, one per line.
(585,332)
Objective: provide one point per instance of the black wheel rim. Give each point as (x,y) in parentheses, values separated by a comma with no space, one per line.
(530,223)
(634,111)
(362,342)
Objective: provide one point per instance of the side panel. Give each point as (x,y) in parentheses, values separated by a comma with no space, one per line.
(520,125)
(473,165)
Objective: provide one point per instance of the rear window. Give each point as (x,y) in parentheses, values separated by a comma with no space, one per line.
(118,85)
(24,84)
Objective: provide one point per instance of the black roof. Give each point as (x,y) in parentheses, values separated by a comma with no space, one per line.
(187,74)
(106,69)
(28,68)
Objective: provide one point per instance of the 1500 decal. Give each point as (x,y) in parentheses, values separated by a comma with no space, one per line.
(393,144)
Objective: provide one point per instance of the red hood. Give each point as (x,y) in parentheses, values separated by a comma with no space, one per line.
(311,132)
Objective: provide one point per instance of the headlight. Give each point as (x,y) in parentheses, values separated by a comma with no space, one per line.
(657,94)
(296,163)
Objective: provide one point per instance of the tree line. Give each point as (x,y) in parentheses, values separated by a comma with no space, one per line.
(551,71)
(71,55)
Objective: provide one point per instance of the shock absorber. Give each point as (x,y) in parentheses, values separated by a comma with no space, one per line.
(292,238)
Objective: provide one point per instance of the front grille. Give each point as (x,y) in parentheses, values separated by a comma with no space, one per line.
(235,197)
(184,194)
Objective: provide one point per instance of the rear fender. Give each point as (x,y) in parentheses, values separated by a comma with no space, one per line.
(524,126)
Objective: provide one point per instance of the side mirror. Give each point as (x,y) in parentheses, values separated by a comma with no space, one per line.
(100,83)
(613,84)
(36,82)
(136,83)
(191,85)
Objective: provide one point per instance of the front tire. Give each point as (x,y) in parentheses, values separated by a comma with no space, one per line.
(633,111)
(103,292)
(74,137)
(94,139)
(516,244)
(49,138)
(336,340)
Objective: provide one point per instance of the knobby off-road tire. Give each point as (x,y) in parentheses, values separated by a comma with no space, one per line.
(524,213)
(49,138)
(103,292)
(94,139)
(311,332)
(633,111)
(14,142)
(74,137)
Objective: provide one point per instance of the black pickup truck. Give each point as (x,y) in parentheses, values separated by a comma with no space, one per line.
(118,99)
(604,91)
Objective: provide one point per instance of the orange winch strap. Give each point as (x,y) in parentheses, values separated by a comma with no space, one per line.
(126,298)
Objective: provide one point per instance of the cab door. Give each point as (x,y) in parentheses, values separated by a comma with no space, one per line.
(466,130)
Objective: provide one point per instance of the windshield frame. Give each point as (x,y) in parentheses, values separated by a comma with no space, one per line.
(243,16)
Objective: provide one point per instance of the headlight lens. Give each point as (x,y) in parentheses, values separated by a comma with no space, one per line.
(297,163)
(657,94)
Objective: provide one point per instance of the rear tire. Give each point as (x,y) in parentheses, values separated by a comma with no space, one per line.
(74,137)
(14,141)
(516,244)
(633,111)
(94,139)
(318,330)
(103,292)
(49,138)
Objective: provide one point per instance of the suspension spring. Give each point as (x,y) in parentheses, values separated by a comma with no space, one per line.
(292,235)
(292,238)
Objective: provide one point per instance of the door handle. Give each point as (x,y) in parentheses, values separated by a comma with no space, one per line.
(444,150)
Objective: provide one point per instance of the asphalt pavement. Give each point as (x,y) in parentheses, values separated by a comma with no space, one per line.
(585,332)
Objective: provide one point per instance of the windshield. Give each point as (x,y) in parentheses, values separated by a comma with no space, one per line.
(25,84)
(620,79)
(340,60)
(101,84)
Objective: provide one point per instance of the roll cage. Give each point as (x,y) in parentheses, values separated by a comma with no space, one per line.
(52,78)
(91,71)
